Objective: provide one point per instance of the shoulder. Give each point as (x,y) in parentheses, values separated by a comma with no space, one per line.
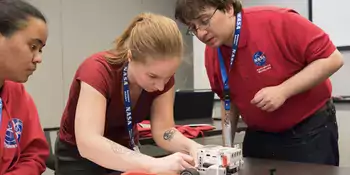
(18,98)
(96,61)
(210,55)
(96,71)
(267,11)
(268,16)
(14,90)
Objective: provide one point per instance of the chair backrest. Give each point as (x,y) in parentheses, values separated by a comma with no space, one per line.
(50,162)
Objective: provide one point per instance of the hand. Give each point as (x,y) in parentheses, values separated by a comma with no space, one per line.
(193,152)
(269,98)
(172,164)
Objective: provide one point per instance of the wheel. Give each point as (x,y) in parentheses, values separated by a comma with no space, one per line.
(190,171)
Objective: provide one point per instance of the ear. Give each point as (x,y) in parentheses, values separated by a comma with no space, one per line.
(230,11)
(129,55)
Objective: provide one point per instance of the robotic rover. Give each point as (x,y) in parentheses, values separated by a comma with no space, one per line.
(217,160)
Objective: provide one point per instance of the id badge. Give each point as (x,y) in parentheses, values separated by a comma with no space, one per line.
(227,130)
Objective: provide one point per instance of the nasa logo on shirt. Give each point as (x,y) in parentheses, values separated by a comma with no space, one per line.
(260,60)
(10,139)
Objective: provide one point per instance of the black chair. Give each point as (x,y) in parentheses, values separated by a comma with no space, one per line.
(50,162)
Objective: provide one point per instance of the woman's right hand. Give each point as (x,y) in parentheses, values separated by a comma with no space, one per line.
(173,164)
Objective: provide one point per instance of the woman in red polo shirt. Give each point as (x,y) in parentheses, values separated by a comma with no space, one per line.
(271,66)
(114,90)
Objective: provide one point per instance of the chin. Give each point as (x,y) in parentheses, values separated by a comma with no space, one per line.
(149,90)
(214,44)
(21,80)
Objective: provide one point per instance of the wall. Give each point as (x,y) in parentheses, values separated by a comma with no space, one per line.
(331,19)
(341,80)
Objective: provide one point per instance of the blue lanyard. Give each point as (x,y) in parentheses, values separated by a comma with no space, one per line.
(127,103)
(233,55)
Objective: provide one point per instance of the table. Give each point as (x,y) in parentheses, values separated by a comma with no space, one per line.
(262,166)
(241,126)
(341,99)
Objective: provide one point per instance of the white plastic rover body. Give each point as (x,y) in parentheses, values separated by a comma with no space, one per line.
(218,160)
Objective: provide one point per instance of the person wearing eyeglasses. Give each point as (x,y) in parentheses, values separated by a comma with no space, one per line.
(271,66)
(23,34)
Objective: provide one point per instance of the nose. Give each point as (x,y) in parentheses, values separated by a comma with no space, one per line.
(159,85)
(37,58)
(201,33)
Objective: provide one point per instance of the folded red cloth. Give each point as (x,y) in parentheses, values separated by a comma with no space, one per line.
(186,130)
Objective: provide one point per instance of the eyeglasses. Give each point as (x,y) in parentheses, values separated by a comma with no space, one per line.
(203,25)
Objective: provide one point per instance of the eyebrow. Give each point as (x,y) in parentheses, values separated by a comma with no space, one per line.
(38,41)
(202,15)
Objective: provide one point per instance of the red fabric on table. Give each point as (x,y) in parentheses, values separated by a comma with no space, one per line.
(188,131)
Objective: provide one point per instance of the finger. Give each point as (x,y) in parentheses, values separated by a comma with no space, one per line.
(187,157)
(257,98)
(195,160)
(261,104)
(186,164)
(266,107)
(180,168)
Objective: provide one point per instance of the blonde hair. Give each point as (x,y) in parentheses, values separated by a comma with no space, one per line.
(148,36)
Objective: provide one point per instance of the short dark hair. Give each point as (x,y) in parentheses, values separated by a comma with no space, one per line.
(15,13)
(187,10)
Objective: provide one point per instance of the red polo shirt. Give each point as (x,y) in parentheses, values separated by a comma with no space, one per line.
(285,43)
(107,79)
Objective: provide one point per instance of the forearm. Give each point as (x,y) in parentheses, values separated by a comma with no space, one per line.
(313,74)
(114,156)
(172,140)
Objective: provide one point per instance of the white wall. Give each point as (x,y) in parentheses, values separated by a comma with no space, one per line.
(333,17)
(46,84)
(340,80)
(200,75)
